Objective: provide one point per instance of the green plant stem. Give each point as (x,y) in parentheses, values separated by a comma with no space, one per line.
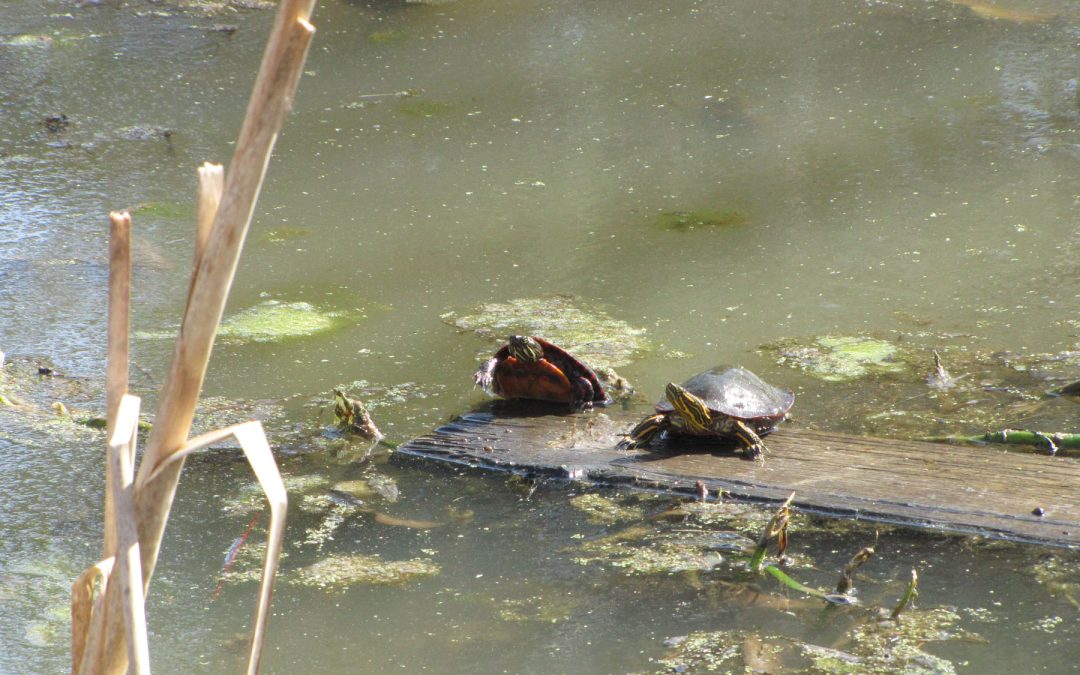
(1015,437)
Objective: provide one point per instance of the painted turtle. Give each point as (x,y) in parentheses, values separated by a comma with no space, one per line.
(532,367)
(723,403)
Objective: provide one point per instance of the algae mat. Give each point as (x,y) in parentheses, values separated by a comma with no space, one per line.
(984,491)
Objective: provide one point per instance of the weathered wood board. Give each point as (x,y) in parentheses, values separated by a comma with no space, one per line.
(981,490)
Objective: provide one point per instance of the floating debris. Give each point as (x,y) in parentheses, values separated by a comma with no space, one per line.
(603,510)
(140,133)
(687,221)
(665,557)
(337,572)
(411,523)
(26,40)
(389,36)
(539,609)
(55,124)
(420,108)
(375,486)
(717,651)
(1059,573)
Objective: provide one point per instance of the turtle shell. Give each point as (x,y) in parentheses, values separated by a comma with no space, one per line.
(738,393)
(555,377)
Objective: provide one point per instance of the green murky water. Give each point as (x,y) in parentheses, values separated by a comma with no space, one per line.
(714,176)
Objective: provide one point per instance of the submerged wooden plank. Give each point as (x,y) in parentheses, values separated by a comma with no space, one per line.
(987,491)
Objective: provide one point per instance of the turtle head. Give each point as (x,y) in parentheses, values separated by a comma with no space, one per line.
(524,348)
(691,407)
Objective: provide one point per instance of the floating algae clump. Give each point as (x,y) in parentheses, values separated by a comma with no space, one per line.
(667,557)
(884,648)
(890,647)
(713,651)
(273,321)
(838,358)
(338,572)
(602,510)
(539,609)
(596,338)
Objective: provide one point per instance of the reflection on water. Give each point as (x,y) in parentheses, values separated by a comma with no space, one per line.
(887,168)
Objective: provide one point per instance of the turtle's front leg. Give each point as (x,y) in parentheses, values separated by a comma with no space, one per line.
(644,432)
(752,444)
(484,376)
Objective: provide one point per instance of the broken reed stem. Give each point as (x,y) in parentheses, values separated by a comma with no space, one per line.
(207,199)
(128,565)
(271,99)
(116,368)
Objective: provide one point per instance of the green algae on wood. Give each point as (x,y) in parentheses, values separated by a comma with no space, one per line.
(589,334)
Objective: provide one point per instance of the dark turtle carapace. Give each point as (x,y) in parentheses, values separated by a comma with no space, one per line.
(722,403)
(533,368)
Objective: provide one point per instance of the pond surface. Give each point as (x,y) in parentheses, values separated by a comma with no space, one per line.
(719,175)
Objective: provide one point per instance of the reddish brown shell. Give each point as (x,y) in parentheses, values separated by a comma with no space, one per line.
(552,378)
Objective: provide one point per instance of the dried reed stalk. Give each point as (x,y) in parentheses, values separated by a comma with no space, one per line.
(116,368)
(256,449)
(128,562)
(106,648)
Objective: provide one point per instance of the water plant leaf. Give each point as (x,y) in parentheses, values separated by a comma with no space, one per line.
(907,598)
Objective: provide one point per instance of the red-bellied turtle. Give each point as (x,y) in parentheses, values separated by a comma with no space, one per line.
(722,402)
(532,367)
